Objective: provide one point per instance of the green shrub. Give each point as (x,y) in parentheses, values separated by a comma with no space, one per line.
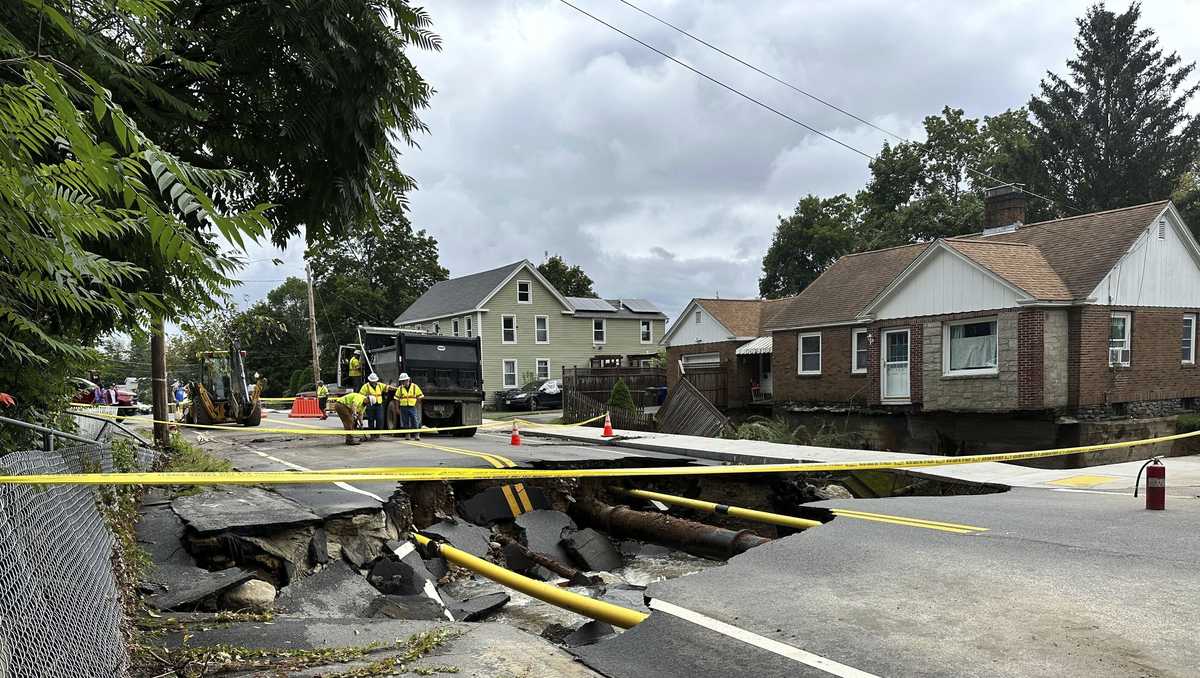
(299,379)
(1186,423)
(621,398)
(778,430)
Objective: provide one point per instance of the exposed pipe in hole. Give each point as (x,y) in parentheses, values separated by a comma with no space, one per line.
(695,538)
(574,576)
(724,509)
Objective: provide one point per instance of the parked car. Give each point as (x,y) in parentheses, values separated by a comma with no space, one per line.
(537,394)
(127,403)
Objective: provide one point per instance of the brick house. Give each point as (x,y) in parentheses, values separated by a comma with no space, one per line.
(723,348)
(1090,315)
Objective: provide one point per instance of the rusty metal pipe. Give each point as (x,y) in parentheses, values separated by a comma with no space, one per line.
(574,576)
(695,538)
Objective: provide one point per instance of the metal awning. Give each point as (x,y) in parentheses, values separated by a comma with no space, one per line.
(758,346)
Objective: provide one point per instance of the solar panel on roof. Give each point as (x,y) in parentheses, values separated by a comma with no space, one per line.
(639,306)
(586,304)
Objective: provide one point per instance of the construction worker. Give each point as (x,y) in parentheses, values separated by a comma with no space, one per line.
(349,409)
(374,391)
(323,398)
(356,380)
(408,398)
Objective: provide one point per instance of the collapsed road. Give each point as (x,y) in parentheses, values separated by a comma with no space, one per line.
(928,585)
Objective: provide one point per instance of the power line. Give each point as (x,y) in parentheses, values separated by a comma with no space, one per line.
(756,69)
(713,80)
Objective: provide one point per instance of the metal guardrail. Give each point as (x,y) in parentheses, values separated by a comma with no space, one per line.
(115,424)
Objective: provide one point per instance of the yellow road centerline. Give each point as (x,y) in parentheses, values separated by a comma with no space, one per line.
(931,523)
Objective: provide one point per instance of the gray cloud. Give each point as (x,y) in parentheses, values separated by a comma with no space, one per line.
(550,133)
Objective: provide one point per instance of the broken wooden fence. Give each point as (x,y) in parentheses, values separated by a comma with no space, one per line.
(689,411)
(579,407)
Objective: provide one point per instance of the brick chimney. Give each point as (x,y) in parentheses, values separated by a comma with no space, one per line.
(1003,207)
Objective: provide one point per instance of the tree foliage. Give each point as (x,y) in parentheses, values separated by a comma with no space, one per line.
(570,281)
(78,176)
(1115,130)
(818,232)
(620,398)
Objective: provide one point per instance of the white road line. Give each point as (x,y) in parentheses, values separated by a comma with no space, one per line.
(763,643)
(430,590)
(345,486)
(1118,493)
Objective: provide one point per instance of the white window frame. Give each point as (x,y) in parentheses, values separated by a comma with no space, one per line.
(800,353)
(603,331)
(516,373)
(470,327)
(546,319)
(1189,321)
(856,368)
(503,331)
(537,368)
(975,372)
(454,327)
(528,285)
(711,359)
(646,331)
(699,316)
(1128,339)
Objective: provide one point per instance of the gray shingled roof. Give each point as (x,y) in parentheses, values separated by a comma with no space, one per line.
(457,295)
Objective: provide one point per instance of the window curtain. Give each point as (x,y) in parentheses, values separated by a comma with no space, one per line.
(968,353)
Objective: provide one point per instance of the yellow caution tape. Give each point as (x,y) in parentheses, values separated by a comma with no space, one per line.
(336,431)
(417,473)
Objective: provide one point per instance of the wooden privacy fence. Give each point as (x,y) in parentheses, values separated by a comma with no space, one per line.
(688,411)
(708,381)
(597,382)
(579,407)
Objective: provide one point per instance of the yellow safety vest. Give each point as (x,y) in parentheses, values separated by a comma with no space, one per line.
(355,367)
(369,389)
(408,395)
(355,401)
(322,391)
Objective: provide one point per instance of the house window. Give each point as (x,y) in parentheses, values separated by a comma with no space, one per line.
(810,354)
(470,330)
(698,317)
(1189,339)
(862,352)
(508,329)
(454,327)
(647,334)
(541,329)
(524,292)
(543,368)
(510,374)
(599,333)
(437,328)
(969,347)
(701,360)
(1120,344)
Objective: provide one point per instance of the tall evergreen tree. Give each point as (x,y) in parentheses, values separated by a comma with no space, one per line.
(1115,130)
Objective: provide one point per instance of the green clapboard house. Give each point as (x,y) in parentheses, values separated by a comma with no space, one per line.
(531,331)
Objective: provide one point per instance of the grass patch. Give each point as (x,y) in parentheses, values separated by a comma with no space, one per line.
(412,649)
(184,457)
(777,430)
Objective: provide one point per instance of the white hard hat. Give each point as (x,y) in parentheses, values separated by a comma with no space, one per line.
(404,376)
(373,378)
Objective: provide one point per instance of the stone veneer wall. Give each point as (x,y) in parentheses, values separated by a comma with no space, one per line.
(983,393)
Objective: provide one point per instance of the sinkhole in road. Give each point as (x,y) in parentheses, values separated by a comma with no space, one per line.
(587,536)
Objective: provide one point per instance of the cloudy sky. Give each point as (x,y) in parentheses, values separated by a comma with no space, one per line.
(552,133)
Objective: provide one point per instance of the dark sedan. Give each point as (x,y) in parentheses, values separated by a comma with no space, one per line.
(537,394)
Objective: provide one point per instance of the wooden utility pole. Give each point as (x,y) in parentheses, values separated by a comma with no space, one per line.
(158,381)
(312,325)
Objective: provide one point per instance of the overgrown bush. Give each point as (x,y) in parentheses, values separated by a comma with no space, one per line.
(182,456)
(621,398)
(778,430)
(1186,423)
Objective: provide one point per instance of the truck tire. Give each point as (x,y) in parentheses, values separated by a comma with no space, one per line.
(463,432)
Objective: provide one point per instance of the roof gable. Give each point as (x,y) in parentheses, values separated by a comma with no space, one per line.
(1107,236)
(471,292)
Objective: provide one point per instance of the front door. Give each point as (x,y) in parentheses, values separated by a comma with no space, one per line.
(894,372)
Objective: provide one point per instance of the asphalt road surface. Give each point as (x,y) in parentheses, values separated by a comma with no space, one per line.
(1028,582)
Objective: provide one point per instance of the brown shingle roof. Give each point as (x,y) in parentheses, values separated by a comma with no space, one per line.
(1083,249)
(840,293)
(743,317)
(1018,263)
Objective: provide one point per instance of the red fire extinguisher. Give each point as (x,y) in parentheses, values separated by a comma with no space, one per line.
(1156,484)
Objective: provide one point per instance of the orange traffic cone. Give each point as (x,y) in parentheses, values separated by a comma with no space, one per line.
(608,432)
(515,439)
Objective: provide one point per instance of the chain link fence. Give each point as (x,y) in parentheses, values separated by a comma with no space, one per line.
(60,608)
